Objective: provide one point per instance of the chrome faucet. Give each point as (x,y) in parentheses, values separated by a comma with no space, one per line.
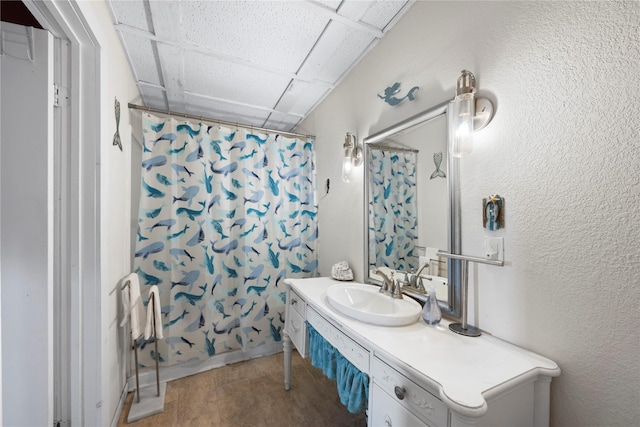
(425,265)
(390,285)
(387,283)
(414,280)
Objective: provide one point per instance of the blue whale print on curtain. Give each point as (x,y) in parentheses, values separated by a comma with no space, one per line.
(225,215)
(393,225)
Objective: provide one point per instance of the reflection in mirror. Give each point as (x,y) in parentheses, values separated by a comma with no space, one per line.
(408,206)
(393,225)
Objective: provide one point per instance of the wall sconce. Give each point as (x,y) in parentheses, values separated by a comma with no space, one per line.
(352,156)
(469,114)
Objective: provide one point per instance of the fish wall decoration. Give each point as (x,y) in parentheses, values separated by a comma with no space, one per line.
(493,212)
(116,136)
(437,160)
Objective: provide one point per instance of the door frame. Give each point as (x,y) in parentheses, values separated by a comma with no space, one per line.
(82,274)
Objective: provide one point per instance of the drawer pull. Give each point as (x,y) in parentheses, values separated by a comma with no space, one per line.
(294,301)
(400,391)
(387,421)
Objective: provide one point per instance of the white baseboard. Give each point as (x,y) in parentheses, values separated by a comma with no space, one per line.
(123,397)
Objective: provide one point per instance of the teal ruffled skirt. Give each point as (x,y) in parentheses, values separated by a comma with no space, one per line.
(353,384)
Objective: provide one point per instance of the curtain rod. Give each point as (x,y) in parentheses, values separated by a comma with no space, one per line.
(218,121)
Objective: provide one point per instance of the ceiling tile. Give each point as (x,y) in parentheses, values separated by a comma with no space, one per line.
(354,10)
(171,58)
(300,97)
(380,13)
(134,13)
(283,122)
(247,61)
(272,33)
(377,14)
(167,20)
(335,52)
(153,97)
(143,58)
(332,4)
(222,79)
(223,111)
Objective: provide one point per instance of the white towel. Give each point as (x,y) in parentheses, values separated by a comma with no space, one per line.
(148,329)
(132,305)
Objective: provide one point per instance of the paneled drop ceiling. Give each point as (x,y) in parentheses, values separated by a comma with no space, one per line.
(261,63)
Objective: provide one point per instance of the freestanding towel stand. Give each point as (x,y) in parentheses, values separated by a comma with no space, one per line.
(151,404)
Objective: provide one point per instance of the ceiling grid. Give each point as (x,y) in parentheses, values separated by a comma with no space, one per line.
(263,63)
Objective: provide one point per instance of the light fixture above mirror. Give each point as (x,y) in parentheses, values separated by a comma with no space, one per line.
(352,156)
(469,113)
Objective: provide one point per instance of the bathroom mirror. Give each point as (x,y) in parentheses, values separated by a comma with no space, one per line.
(412,208)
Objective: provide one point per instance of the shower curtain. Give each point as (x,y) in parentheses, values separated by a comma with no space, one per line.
(393,224)
(225,215)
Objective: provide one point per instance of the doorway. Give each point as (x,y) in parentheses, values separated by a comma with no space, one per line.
(73,298)
(27,221)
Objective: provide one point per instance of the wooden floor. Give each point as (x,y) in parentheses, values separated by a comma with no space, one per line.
(252,394)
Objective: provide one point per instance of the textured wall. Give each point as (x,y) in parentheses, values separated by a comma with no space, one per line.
(562,149)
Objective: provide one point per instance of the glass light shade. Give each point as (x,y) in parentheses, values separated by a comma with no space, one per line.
(347,165)
(463,112)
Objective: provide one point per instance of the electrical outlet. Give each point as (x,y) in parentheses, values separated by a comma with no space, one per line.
(494,248)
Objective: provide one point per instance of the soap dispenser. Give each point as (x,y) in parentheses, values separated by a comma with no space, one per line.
(431,311)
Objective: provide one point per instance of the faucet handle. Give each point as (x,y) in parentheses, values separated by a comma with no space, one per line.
(411,279)
(396,289)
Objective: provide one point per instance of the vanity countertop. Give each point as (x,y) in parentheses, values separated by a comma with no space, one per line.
(465,370)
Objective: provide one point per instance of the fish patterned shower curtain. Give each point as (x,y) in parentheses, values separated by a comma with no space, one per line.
(225,215)
(393,224)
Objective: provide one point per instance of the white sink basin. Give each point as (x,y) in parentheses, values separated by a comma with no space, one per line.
(364,302)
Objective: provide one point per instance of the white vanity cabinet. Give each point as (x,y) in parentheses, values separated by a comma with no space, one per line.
(388,412)
(411,401)
(295,315)
(295,331)
(422,375)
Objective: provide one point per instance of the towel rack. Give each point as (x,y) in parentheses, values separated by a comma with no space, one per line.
(135,346)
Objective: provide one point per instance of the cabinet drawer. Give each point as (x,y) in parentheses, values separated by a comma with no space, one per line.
(353,351)
(386,412)
(297,303)
(422,403)
(297,331)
